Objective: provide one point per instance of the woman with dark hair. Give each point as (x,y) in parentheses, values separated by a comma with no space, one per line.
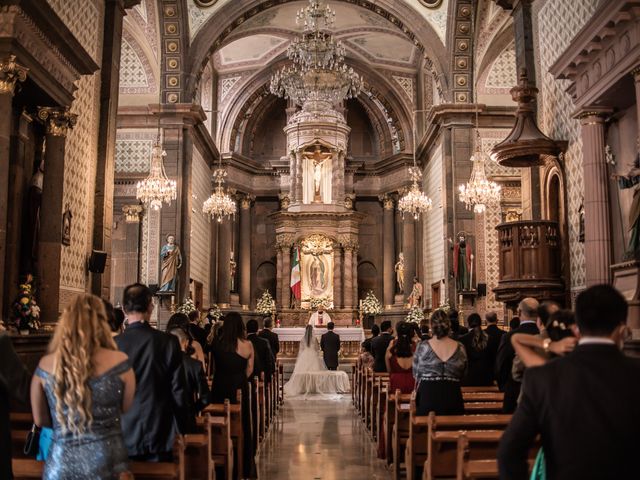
(438,367)
(232,357)
(115,318)
(456,330)
(399,358)
(181,321)
(480,371)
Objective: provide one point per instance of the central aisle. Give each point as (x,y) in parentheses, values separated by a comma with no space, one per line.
(317,439)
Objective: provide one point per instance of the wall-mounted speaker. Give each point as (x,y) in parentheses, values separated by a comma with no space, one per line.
(97,261)
(482,289)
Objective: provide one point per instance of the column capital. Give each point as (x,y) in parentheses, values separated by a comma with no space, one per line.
(285,200)
(284,241)
(10,73)
(132,213)
(387,201)
(636,73)
(57,120)
(246,201)
(593,114)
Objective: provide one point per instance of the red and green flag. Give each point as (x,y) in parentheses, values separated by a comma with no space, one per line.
(296,286)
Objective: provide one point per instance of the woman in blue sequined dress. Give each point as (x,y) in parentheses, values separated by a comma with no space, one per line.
(80,389)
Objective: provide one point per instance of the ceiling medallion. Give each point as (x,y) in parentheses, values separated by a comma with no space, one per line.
(205,3)
(431,3)
(318,74)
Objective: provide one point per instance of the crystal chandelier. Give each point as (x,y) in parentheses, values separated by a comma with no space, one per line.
(219,205)
(479,192)
(318,72)
(156,188)
(414,201)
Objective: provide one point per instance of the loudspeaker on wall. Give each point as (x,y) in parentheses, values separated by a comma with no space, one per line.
(97,261)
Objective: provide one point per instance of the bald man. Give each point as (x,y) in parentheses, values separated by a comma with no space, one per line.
(528,313)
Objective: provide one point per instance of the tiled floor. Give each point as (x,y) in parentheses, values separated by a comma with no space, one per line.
(319,438)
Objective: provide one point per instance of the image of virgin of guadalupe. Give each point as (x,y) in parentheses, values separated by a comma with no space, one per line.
(171,260)
(317,276)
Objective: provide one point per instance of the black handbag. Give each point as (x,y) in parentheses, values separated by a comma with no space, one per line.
(32,443)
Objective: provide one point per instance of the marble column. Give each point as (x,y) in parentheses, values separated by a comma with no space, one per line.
(279,276)
(597,238)
(348,276)
(286,276)
(57,122)
(245,251)
(10,73)
(105,166)
(388,252)
(409,250)
(337,276)
(354,276)
(224,266)
(636,77)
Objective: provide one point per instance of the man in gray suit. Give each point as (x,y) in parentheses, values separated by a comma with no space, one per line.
(330,345)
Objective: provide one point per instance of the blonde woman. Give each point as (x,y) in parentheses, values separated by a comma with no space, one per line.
(79,389)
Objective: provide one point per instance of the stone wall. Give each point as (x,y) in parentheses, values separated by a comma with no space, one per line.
(200,225)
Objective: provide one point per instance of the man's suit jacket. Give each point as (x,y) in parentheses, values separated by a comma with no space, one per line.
(263,360)
(330,345)
(366,345)
(495,335)
(161,390)
(379,347)
(199,334)
(586,408)
(273,340)
(504,362)
(14,388)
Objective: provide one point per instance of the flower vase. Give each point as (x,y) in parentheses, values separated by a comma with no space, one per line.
(24,331)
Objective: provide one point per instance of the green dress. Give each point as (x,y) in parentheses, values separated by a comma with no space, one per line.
(539,471)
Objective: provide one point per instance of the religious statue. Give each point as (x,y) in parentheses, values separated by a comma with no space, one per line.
(171,259)
(32,221)
(317,158)
(462,263)
(317,278)
(632,180)
(399,268)
(415,298)
(232,272)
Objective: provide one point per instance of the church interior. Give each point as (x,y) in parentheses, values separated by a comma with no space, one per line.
(345,161)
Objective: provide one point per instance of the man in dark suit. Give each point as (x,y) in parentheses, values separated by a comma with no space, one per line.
(379,346)
(528,312)
(198,333)
(271,337)
(584,406)
(263,361)
(14,388)
(495,334)
(161,395)
(330,346)
(375,331)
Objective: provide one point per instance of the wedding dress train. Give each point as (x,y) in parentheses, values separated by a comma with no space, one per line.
(310,374)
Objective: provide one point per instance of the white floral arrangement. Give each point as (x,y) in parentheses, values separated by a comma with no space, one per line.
(314,303)
(215,312)
(371,305)
(266,305)
(187,307)
(415,315)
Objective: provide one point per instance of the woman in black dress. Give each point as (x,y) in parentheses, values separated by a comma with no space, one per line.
(480,372)
(439,365)
(232,356)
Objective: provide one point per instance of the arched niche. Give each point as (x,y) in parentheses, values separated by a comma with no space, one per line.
(367,279)
(266,278)
(362,143)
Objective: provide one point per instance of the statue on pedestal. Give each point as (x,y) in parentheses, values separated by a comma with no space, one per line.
(415,298)
(399,268)
(462,263)
(232,272)
(318,173)
(171,259)
(632,180)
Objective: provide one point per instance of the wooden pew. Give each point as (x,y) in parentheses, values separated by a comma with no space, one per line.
(162,470)
(381,408)
(491,388)
(390,420)
(280,383)
(218,430)
(401,430)
(26,468)
(483,396)
(471,408)
(372,421)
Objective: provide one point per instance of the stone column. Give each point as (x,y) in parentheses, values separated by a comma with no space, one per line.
(278,276)
(636,77)
(354,276)
(409,250)
(224,256)
(286,276)
(57,123)
(245,251)
(297,180)
(337,276)
(348,276)
(388,252)
(597,238)
(10,73)
(105,166)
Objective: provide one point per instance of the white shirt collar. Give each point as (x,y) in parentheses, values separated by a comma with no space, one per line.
(524,322)
(595,341)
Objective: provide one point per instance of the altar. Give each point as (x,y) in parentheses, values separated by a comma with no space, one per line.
(350,337)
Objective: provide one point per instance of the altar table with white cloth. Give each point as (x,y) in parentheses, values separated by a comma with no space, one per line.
(295,334)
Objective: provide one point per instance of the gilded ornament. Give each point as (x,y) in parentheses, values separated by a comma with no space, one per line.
(172,28)
(317,244)
(170,11)
(173,81)
(172,98)
(132,213)
(461,63)
(10,73)
(172,46)
(58,121)
(172,63)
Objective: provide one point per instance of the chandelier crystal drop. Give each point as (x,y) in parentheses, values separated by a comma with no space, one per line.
(219,205)
(478,192)
(156,189)
(414,202)
(318,72)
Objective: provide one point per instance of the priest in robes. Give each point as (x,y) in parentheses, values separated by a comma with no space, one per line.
(319,318)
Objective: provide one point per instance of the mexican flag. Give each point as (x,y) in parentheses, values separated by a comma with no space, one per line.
(296,286)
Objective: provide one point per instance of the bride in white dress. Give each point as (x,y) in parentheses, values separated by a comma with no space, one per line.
(310,374)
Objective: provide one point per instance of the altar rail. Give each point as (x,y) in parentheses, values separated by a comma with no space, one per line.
(530,261)
(289,349)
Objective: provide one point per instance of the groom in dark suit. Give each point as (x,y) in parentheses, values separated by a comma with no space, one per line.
(330,345)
